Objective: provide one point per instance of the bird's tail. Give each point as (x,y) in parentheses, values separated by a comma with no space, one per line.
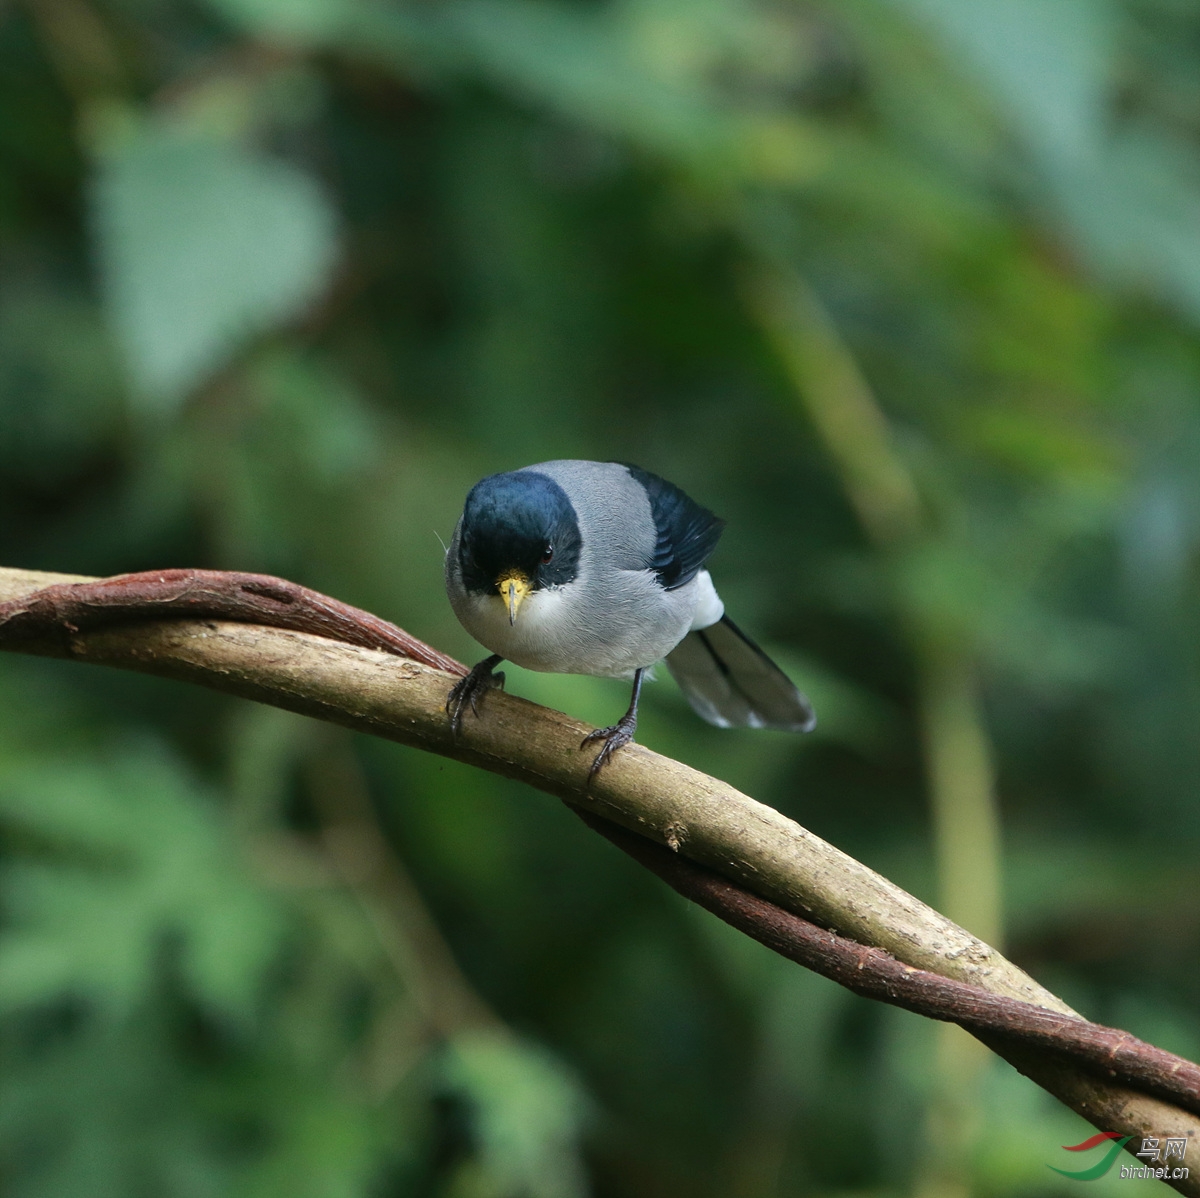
(731,682)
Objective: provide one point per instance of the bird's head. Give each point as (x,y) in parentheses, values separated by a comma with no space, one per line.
(519,534)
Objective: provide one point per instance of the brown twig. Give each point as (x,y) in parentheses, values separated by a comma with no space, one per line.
(63,610)
(873,973)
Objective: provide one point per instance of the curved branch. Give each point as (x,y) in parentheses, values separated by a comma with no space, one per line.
(873,973)
(403,700)
(65,608)
(694,815)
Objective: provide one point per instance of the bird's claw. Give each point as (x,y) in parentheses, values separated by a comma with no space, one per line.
(468,691)
(621,733)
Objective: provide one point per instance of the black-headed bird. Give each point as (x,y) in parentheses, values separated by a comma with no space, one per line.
(576,567)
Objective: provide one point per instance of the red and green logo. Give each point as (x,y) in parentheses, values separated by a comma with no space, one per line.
(1103,1165)
(1156,1151)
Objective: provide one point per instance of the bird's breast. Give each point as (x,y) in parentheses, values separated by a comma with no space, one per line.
(608,631)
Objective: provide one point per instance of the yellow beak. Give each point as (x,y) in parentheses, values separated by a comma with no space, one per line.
(513,589)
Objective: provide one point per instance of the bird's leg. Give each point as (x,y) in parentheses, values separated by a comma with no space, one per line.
(621,733)
(468,691)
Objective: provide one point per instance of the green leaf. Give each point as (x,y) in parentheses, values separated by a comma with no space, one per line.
(1133,212)
(138,857)
(1048,64)
(607,71)
(527,1113)
(203,243)
(302,22)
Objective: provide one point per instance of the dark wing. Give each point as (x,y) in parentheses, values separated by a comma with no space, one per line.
(731,682)
(687,532)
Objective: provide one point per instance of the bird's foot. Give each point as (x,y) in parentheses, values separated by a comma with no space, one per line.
(468,691)
(621,733)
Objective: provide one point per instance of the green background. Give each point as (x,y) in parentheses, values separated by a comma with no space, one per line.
(907,291)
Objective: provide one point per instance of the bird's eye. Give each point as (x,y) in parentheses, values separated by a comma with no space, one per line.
(547,554)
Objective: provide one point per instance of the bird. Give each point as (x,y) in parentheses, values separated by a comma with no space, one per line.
(581,567)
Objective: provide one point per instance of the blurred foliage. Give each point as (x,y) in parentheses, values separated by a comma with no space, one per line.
(279,279)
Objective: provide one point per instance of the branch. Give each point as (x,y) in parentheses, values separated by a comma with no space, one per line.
(61,610)
(873,973)
(693,815)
